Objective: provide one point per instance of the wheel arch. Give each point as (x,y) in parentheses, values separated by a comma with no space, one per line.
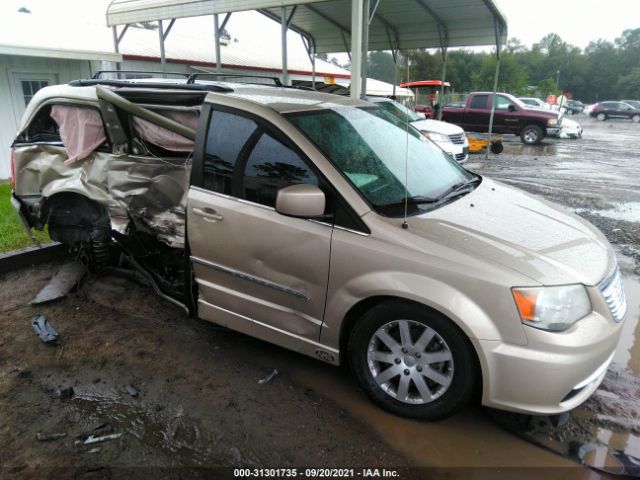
(364,305)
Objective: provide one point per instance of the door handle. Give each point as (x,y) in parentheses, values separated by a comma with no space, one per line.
(208,214)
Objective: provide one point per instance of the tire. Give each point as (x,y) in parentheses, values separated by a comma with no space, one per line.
(601,116)
(570,112)
(405,382)
(636,118)
(531,135)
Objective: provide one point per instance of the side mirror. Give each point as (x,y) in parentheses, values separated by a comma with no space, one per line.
(512,107)
(303,200)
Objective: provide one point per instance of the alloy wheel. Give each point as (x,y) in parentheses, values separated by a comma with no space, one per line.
(410,362)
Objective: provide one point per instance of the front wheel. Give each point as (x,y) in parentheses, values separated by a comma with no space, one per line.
(636,118)
(412,362)
(531,135)
(601,116)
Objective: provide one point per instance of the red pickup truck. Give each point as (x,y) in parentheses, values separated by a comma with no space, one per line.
(511,116)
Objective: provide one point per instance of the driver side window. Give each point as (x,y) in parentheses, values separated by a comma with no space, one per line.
(502,103)
(270,166)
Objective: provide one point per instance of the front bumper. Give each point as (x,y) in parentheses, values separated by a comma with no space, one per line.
(459,152)
(555,371)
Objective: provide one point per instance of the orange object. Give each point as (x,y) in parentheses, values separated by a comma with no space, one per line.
(526,303)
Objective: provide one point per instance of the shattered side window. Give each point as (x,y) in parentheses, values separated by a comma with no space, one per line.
(164,138)
(227,135)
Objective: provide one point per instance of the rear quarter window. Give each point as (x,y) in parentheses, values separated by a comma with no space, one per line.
(479,101)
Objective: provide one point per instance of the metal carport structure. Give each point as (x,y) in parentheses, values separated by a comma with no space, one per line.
(352,26)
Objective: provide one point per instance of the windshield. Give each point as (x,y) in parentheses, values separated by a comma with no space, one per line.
(633,103)
(376,151)
(399,111)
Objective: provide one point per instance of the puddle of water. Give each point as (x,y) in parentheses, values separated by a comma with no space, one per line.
(544,150)
(171,432)
(628,351)
(469,439)
(628,212)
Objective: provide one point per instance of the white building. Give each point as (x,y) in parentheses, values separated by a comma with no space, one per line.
(36,52)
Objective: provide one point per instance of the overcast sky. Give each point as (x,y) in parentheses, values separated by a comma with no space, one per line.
(576,21)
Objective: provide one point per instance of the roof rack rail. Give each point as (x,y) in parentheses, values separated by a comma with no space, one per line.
(201,87)
(194,76)
(99,73)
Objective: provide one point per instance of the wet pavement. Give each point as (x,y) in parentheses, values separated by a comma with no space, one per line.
(200,403)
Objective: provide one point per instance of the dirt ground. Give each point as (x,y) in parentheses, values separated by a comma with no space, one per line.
(199,403)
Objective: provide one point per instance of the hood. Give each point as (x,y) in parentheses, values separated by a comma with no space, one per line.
(436,126)
(522,232)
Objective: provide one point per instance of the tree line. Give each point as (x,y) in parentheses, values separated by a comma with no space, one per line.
(602,71)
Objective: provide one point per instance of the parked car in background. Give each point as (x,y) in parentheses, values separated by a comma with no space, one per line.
(447,136)
(511,116)
(324,225)
(570,129)
(574,106)
(605,110)
(534,102)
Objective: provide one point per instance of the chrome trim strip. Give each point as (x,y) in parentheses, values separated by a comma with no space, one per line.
(229,197)
(351,231)
(250,278)
(338,227)
(599,371)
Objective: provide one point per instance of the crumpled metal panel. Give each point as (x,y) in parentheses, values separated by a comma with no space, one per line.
(149,190)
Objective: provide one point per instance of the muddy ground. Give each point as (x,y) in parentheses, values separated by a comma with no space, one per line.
(199,403)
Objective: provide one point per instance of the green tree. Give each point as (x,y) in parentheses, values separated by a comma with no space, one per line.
(381,66)
(629,85)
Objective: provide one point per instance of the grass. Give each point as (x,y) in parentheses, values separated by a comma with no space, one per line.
(12,235)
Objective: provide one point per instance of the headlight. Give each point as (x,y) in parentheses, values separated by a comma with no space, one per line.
(552,121)
(436,137)
(552,308)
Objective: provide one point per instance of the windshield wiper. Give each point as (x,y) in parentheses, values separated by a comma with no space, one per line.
(458,189)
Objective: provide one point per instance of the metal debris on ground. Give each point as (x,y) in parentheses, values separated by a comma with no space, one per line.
(44,329)
(269,377)
(63,393)
(48,437)
(131,390)
(104,438)
(62,282)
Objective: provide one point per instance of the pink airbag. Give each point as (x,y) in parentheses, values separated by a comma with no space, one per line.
(81,130)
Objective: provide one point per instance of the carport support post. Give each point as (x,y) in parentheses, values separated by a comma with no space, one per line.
(163,60)
(498,30)
(365,48)
(444,75)
(285,72)
(313,66)
(216,34)
(357,20)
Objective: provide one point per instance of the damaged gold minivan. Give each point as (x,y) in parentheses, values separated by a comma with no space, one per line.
(330,227)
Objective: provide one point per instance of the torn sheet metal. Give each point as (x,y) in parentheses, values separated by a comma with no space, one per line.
(153,190)
(62,282)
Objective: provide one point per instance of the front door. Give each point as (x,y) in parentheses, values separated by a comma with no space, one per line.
(257,271)
(506,117)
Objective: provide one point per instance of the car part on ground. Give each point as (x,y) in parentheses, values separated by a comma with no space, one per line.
(43,328)
(62,283)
